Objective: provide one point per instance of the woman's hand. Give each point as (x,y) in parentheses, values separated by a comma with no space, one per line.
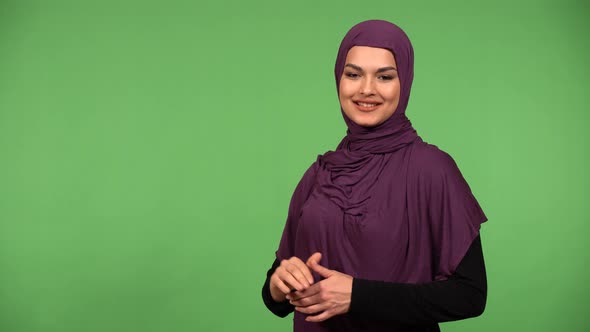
(329,297)
(291,275)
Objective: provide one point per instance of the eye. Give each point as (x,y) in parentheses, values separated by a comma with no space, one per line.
(386,77)
(351,75)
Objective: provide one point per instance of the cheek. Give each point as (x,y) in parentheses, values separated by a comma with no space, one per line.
(346,90)
(393,93)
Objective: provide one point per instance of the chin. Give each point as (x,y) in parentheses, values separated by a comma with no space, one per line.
(368,123)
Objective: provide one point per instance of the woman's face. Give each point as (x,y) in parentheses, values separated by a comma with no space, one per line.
(369,87)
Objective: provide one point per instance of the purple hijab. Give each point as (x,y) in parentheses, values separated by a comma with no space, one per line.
(385,205)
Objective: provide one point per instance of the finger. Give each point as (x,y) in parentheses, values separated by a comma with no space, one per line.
(307,301)
(315,257)
(304,270)
(288,273)
(293,266)
(319,318)
(288,278)
(324,272)
(301,272)
(313,309)
(285,289)
(311,291)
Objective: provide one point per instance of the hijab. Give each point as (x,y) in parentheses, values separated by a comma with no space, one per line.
(385,205)
(360,156)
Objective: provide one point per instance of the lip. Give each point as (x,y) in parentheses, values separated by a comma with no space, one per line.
(365,108)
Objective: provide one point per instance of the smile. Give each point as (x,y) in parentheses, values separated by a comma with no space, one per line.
(366,107)
(366,104)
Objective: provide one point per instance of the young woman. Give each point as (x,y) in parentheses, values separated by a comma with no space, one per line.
(382,234)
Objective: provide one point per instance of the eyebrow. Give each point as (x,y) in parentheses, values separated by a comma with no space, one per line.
(380,70)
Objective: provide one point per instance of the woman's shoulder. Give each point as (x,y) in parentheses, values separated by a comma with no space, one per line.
(308,178)
(434,171)
(429,159)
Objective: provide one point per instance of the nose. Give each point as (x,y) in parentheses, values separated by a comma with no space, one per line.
(367,87)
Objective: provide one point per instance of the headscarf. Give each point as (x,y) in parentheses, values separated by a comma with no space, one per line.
(397,131)
(360,156)
(384,205)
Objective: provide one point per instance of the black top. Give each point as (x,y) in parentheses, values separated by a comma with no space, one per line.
(462,295)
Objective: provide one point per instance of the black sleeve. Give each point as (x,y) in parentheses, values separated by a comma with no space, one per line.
(462,295)
(281,309)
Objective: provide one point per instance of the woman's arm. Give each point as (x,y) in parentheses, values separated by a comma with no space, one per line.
(461,296)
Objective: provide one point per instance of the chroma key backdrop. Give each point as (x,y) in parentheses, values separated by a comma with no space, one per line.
(148,152)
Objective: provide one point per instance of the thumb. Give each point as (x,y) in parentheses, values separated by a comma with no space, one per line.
(324,272)
(316,257)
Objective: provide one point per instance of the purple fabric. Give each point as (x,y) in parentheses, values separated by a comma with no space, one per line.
(385,205)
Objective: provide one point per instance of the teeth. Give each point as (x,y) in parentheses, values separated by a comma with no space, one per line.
(366,104)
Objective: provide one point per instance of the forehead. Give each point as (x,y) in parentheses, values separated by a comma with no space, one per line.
(366,56)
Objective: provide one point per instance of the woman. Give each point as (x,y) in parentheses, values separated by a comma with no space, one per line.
(383,233)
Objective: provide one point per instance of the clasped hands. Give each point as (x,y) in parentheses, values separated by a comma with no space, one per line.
(293,281)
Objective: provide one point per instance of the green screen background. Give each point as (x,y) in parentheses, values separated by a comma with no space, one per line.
(148,152)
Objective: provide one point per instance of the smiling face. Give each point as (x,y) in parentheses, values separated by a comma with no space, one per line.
(369,88)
